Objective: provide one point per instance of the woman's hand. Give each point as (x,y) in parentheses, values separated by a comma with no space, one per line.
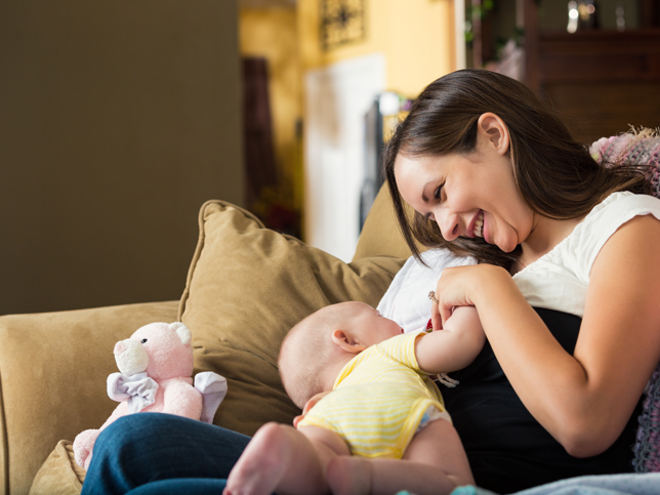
(463,286)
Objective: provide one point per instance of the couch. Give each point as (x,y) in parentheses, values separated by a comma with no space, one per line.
(246,287)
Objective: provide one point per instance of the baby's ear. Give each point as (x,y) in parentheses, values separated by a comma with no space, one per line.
(345,340)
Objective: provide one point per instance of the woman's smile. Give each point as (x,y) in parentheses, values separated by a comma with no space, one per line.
(478,196)
(477,226)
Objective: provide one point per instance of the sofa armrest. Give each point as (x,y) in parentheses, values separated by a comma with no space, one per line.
(53,369)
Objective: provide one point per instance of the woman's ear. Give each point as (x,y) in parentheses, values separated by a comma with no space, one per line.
(347,342)
(492,131)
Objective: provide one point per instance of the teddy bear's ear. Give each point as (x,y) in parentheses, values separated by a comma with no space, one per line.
(182,331)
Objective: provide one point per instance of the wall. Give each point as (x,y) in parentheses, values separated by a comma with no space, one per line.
(407,45)
(416,37)
(118,120)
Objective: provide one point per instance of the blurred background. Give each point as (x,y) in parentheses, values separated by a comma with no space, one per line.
(119,119)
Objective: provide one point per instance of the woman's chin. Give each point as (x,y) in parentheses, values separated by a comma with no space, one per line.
(506,247)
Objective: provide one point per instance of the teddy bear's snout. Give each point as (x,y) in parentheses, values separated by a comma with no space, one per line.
(131,357)
(120,347)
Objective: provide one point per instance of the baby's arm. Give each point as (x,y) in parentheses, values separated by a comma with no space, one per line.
(455,346)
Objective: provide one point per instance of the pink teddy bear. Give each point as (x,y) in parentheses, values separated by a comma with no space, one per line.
(156,365)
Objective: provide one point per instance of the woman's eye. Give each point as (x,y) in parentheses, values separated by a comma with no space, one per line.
(438,192)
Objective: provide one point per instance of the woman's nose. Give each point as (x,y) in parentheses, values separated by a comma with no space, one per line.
(449,226)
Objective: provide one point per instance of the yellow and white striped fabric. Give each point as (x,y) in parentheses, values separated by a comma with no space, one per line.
(378,400)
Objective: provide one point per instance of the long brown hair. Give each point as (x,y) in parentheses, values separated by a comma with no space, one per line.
(554,173)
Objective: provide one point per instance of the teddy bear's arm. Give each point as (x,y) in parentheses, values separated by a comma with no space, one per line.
(182,399)
(119,411)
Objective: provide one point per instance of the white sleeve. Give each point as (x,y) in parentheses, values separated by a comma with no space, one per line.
(603,221)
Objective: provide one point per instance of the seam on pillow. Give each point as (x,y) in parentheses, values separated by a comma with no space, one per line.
(200,245)
(75,475)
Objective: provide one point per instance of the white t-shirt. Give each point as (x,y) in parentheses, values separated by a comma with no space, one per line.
(559,279)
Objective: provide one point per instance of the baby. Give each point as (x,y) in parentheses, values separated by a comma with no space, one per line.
(383,428)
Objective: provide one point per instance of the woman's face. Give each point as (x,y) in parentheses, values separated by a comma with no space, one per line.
(473,195)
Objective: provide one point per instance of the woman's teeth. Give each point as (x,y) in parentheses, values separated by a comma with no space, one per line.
(479,225)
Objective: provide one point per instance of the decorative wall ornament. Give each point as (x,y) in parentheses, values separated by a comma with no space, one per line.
(342,21)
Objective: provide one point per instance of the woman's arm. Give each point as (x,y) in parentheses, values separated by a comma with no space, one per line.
(455,346)
(583,400)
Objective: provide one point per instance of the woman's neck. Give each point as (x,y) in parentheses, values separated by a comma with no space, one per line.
(547,233)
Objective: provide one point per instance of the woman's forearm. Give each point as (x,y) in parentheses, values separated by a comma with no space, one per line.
(552,385)
(585,399)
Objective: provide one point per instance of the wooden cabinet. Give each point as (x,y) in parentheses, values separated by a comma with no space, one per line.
(601,81)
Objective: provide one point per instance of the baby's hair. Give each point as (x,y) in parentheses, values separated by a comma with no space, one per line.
(305,354)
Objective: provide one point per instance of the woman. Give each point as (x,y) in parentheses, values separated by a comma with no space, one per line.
(492,173)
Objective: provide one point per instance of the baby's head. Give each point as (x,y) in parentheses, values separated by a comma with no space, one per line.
(314,351)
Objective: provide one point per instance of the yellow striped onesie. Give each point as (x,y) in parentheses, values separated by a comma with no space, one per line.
(379,400)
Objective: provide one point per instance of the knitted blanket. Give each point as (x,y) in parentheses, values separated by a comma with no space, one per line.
(640,146)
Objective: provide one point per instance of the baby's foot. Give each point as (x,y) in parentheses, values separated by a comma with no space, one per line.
(259,469)
(349,476)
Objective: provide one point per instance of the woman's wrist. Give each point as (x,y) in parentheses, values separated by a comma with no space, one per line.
(489,280)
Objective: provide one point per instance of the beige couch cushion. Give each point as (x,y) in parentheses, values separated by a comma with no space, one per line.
(381,235)
(247,286)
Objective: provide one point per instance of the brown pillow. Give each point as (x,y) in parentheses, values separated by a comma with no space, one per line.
(247,286)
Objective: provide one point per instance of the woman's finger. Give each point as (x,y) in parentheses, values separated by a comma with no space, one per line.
(445,313)
(448,295)
(436,319)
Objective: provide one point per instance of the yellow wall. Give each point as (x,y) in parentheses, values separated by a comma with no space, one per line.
(416,36)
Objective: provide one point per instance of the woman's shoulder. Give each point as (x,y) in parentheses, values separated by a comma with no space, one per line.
(621,199)
(605,219)
(615,210)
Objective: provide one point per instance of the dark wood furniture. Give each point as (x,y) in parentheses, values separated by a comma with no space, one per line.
(601,81)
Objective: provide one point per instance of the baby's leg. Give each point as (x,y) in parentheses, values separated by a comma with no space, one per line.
(434,463)
(281,459)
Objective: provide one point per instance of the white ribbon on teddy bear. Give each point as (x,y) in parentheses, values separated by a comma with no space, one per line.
(138,389)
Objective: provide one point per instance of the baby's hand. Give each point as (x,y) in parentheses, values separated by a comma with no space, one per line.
(308,405)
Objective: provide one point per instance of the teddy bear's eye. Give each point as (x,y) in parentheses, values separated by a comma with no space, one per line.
(143,341)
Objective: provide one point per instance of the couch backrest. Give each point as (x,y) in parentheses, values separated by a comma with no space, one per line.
(381,235)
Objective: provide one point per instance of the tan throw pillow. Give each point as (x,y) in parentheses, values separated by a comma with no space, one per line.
(59,475)
(247,286)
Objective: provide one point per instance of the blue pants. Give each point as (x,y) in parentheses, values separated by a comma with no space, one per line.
(149,453)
